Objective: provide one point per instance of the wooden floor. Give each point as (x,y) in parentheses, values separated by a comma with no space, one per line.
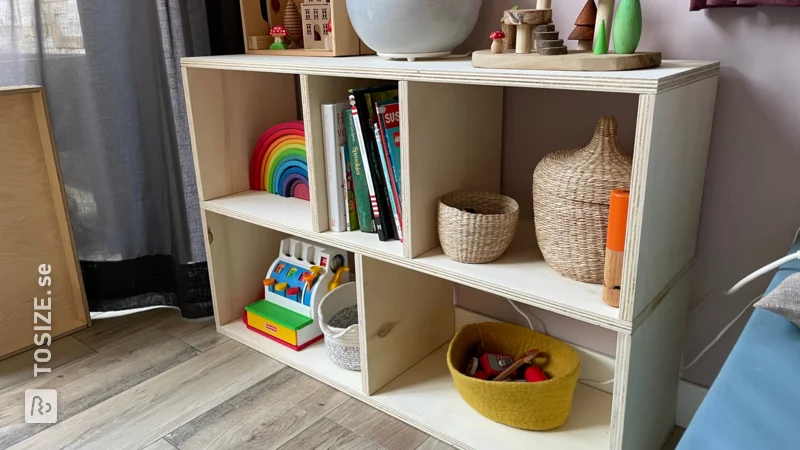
(155,381)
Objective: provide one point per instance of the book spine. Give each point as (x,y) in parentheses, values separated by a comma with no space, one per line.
(333,170)
(357,166)
(389,118)
(350,197)
(368,169)
(386,165)
(382,212)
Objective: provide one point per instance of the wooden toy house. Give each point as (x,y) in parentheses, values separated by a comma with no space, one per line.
(317,39)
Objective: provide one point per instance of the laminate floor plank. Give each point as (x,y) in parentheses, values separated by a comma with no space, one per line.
(434,444)
(376,426)
(265,416)
(93,380)
(140,415)
(18,369)
(160,444)
(326,434)
(108,332)
(205,338)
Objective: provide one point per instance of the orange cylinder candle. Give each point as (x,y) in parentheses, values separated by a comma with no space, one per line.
(615,246)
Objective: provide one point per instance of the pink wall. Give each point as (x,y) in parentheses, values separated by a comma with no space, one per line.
(751,206)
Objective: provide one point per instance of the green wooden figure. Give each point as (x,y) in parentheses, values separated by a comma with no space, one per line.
(627,28)
(600,41)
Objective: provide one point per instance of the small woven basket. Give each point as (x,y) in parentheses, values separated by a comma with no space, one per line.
(571,194)
(532,406)
(476,227)
(338,319)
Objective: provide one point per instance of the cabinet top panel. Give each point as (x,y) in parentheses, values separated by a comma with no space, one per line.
(670,75)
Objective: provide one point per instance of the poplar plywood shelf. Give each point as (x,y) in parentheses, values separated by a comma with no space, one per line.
(452,128)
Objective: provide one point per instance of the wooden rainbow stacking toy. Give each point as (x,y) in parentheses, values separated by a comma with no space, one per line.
(279,164)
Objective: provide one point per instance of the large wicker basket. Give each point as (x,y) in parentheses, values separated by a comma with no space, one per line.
(571,190)
(476,227)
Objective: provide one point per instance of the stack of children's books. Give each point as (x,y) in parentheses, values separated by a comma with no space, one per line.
(362,160)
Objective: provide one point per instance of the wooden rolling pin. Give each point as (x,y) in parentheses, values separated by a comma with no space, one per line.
(615,246)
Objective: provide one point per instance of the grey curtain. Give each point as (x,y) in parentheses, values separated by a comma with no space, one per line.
(111,72)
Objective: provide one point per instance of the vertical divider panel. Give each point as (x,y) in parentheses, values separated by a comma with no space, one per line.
(403,315)
(239,255)
(316,90)
(669,166)
(451,139)
(228,111)
(647,374)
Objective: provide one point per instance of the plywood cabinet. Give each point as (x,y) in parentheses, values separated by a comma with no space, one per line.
(38,263)
(452,127)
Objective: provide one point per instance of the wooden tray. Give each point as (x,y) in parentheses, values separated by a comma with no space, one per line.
(575,60)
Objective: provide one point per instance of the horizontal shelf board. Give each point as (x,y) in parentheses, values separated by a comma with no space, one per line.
(312,360)
(293,216)
(522,274)
(669,75)
(425,397)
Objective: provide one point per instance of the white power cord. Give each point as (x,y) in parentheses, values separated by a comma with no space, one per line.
(733,290)
(544,328)
(736,287)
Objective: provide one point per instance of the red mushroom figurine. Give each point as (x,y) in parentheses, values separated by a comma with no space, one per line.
(278,32)
(497,41)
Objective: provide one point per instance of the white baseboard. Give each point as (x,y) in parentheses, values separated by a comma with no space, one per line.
(690,396)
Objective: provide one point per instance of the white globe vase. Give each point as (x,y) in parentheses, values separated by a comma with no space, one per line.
(411,29)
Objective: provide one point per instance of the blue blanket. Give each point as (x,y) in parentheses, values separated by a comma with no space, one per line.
(755,401)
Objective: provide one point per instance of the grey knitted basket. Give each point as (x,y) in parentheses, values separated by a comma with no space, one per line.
(338,319)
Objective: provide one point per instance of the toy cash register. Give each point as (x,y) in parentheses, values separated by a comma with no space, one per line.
(293,288)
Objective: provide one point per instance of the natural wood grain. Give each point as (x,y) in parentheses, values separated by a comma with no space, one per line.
(403,316)
(669,165)
(376,426)
(239,255)
(160,444)
(573,61)
(151,409)
(316,91)
(18,369)
(93,380)
(265,416)
(228,112)
(205,338)
(459,151)
(327,435)
(253,24)
(669,75)
(647,374)
(30,181)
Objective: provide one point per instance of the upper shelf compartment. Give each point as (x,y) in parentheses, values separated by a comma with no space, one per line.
(669,75)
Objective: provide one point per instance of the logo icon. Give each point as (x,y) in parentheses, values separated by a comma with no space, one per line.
(41,406)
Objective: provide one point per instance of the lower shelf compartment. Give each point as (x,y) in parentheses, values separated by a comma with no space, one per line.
(424,397)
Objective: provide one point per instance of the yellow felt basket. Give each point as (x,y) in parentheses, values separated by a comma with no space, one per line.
(531,406)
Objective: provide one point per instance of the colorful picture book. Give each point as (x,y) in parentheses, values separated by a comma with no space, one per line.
(364,171)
